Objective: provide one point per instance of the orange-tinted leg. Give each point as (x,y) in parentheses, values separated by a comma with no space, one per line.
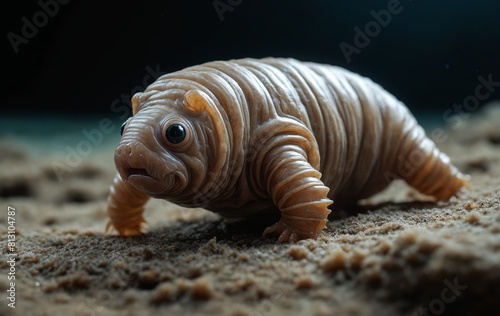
(301,196)
(125,208)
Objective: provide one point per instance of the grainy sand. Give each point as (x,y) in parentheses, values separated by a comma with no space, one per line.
(400,258)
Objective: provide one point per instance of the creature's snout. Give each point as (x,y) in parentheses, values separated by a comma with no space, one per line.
(124,150)
(131,158)
(139,166)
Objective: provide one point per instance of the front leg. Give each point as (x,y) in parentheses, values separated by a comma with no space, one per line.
(285,163)
(125,208)
(296,188)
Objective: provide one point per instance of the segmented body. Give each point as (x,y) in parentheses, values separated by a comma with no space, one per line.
(275,132)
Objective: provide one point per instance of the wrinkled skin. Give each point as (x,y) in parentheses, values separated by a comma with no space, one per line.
(247,136)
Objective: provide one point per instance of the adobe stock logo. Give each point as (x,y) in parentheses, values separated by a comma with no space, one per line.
(448,295)
(93,138)
(40,19)
(363,37)
(222,7)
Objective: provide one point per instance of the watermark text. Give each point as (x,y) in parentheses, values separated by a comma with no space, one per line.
(11,256)
(31,27)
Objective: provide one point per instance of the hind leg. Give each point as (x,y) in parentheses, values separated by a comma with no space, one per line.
(438,178)
(430,171)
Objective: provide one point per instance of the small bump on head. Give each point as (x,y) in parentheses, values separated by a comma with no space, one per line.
(136,103)
(196,100)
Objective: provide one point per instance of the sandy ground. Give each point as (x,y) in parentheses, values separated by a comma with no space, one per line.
(407,257)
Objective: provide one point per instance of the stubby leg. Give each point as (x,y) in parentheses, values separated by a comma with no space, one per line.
(125,208)
(297,190)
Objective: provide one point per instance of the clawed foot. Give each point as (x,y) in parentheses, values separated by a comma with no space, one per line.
(128,230)
(287,233)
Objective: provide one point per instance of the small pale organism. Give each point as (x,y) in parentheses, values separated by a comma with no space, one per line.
(248,136)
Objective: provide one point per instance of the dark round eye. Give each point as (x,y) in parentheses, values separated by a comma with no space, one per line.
(123,127)
(175,133)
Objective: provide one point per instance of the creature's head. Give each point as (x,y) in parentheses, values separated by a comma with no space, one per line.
(175,146)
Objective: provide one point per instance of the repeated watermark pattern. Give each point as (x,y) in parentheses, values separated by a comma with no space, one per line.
(31,27)
(94,305)
(267,307)
(449,294)
(470,104)
(408,165)
(372,29)
(223,6)
(454,117)
(93,138)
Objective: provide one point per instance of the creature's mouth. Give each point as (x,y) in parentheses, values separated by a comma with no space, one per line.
(141,168)
(144,181)
(137,172)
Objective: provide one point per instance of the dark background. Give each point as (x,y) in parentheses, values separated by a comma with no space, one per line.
(90,53)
